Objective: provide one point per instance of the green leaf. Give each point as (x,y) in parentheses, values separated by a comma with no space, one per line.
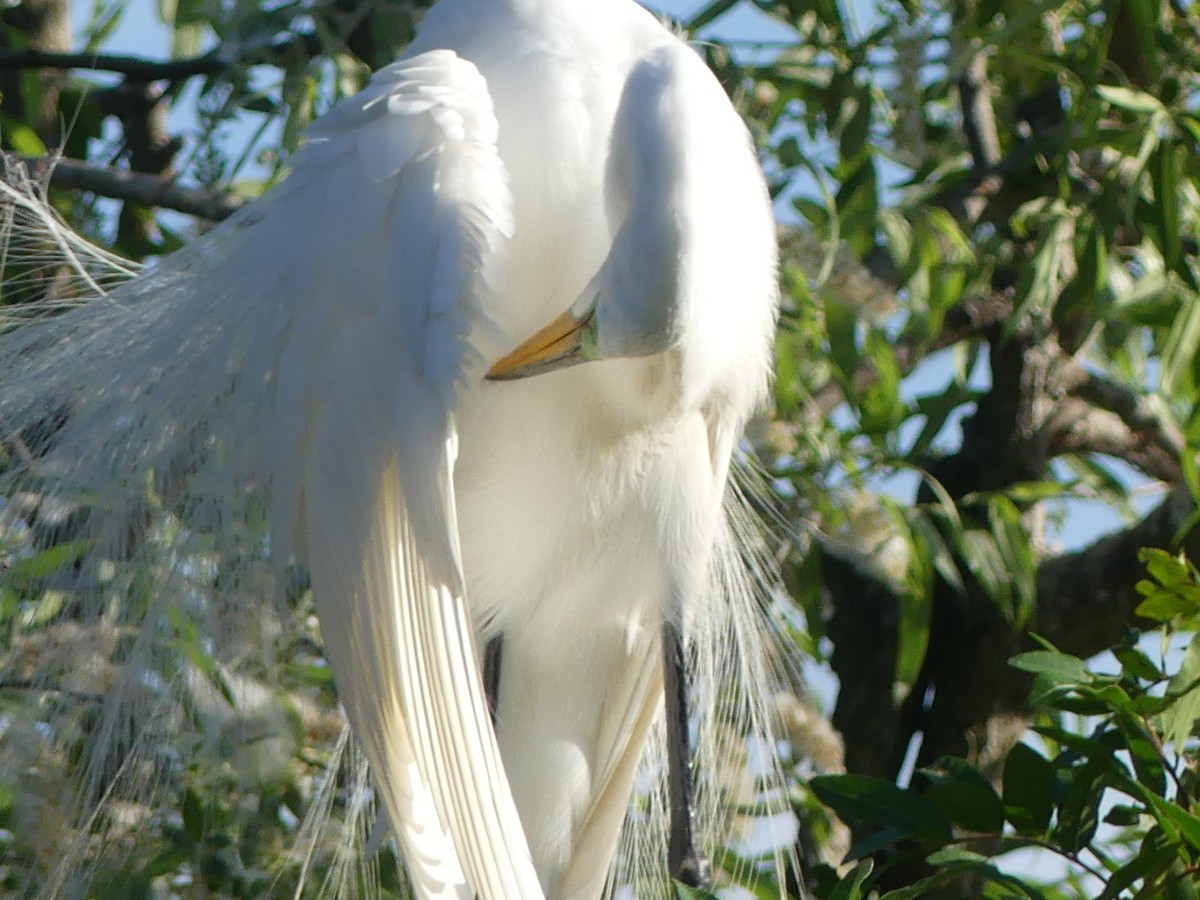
(1080,298)
(862,798)
(24,140)
(1060,668)
(192,813)
(1028,790)
(882,839)
(841,326)
(880,406)
(984,560)
(1079,744)
(916,602)
(851,885)
(683,892)
(43,610)
(709,13)
(937,408)
(1145,17)
(964,795)
(1079,812)
(1127,98)
(1186,825)
(1016,553)
(1039,282)
(46,563)
(920,888)
(1153,858)
(1148,765)
(898,238)
(1124,815)
(1161,605)
(1180,350)
(1136,663)
(1165,177)
(1033,491)
(957,857)
(1163,567)
(857,195)
(1177,720)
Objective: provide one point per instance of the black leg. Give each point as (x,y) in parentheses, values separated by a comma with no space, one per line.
(684,860)
(493,656)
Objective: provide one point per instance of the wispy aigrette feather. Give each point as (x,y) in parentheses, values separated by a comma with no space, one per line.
(297,398)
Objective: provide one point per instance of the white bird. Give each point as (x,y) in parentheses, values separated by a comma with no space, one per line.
(562,177)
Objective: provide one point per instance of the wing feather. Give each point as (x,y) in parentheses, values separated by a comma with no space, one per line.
(307,351)
(415,209)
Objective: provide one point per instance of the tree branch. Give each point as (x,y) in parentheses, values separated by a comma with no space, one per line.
(1076,427)
(979,118)
(1137,411)
(1086,598)
(138,68)
(1085,603)
(148,190)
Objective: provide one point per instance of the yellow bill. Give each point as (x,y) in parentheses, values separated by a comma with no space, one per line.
(564,342)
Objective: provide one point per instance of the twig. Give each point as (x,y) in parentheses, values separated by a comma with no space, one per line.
(135,67)
(25,684)
(148,190)
(1074,426)
(139,68)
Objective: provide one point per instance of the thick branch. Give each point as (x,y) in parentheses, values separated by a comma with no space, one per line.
(1086,598)
(863,628)
(150,148)
(1074,427)
(1136,410)
(147,190)
(979,129)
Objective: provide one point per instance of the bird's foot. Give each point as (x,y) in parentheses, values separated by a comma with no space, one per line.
(694,870)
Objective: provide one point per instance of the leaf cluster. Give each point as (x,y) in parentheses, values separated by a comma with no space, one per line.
(1106,749)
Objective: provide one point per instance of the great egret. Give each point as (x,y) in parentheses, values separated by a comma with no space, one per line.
(566,178)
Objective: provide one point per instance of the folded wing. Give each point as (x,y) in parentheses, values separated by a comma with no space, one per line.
(384,238)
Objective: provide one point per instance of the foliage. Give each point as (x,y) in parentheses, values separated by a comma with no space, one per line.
(1116,750)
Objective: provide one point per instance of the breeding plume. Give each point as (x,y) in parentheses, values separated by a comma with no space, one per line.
(475,370)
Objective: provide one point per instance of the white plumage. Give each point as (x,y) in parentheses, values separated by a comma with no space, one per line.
(322,356)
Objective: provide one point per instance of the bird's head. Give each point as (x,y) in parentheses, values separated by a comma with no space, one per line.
(620,314)
(692,231)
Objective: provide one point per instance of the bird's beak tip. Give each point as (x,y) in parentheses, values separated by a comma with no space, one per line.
(562,343)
